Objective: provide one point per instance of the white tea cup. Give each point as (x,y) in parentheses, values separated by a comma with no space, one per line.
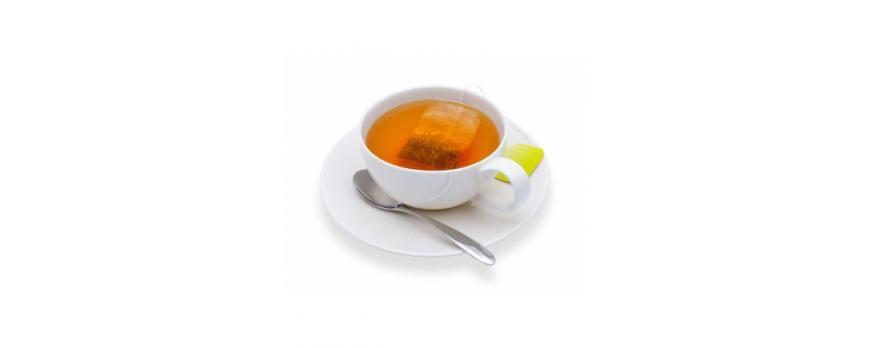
(441,189)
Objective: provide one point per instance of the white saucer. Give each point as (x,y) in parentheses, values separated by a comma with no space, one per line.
(404,234)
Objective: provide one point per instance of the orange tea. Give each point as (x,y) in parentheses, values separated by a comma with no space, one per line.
(433,135)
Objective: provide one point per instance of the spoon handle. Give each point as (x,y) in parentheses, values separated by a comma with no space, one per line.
(464,242)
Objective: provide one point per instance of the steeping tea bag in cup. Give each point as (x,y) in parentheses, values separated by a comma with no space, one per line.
(441,136)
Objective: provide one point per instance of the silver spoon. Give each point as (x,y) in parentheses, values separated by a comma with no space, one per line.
(375,196)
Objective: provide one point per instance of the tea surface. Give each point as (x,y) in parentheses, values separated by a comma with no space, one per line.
(433,135)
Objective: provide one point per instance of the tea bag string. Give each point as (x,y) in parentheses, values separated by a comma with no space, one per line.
(465,92)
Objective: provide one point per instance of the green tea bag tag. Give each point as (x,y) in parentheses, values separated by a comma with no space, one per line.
(527,156)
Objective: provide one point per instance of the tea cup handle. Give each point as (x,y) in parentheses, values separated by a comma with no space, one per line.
(515,173)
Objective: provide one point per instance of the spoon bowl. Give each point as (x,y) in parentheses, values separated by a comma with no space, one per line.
(369,189)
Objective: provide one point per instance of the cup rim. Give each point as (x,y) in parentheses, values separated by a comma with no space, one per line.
(501,143)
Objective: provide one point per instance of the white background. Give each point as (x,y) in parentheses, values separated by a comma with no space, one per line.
(159,167)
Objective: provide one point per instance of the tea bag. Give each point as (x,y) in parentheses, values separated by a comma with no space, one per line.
(441,136)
